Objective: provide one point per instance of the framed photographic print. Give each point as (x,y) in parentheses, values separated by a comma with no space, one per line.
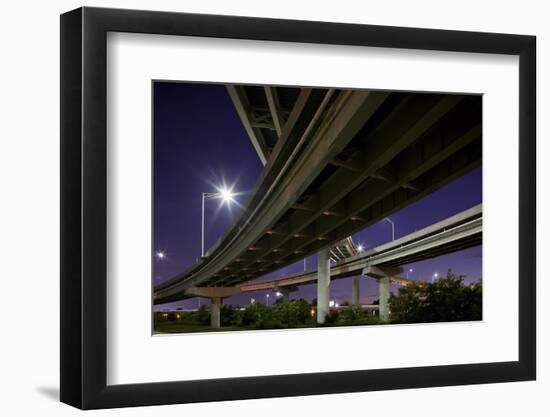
(258,208)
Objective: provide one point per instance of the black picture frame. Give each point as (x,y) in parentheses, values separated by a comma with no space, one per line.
(84,207)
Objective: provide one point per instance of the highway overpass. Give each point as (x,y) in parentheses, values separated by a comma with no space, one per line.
(339,161)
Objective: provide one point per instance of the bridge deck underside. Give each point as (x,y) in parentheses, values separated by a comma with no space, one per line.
(393,149)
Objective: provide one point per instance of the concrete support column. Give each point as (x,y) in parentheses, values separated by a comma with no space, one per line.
(384,295)
(323,285)
(215,304)
(356,290)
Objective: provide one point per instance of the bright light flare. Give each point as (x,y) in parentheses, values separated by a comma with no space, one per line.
(360,248)
(226,194)
(160,255)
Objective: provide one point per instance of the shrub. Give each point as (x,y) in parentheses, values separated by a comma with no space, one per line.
(203,315)
(291,313)
(448,299)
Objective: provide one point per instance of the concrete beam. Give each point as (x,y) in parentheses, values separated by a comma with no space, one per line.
(274,108)
(240,101)
(215,319)
(378,272)
(212,292)
(323,285)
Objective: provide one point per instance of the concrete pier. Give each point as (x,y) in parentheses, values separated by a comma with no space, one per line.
(215,305)
(384,295)
(356,290)
(323,285)
(382,275)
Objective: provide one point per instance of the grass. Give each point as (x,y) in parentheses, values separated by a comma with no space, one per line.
(178,327)
(169,327)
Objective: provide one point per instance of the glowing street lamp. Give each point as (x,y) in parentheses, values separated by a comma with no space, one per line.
(267,300)
(434,277)
(160,255)
(360,248)
(409,270)
(226,195)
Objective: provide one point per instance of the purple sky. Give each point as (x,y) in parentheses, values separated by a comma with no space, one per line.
(200,144)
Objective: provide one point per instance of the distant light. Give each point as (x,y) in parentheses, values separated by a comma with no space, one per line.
(336,305)
(252,301)
(160,255)
(278,294)
(267,295)
(360,248)
(331,303)
(410,270)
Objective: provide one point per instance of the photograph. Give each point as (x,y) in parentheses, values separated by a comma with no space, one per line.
(294,207)
(273,206)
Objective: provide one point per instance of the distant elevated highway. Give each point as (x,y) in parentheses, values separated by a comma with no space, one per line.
(458,232)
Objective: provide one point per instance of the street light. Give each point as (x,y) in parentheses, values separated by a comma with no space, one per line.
(160,255)
(434,277)
(278,293)
(410,270)
(392,227)
(360,248)
(267,300)
(226,195)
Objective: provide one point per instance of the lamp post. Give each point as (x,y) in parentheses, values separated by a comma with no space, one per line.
(267,300)
(392,227)
(227,197)
(409,270)
(434,277)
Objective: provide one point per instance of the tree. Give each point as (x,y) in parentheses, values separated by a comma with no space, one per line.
(230,316)
(291,312)
(448,299)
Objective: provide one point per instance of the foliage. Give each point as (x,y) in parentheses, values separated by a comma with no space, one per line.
(202,316)
(230,316)
(354,315)
(448,299)
(284,314)
(291,313)
(255,314)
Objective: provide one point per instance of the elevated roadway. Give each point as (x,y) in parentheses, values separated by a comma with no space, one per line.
(338,161)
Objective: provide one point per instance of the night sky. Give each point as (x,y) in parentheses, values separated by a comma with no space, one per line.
(200,144)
